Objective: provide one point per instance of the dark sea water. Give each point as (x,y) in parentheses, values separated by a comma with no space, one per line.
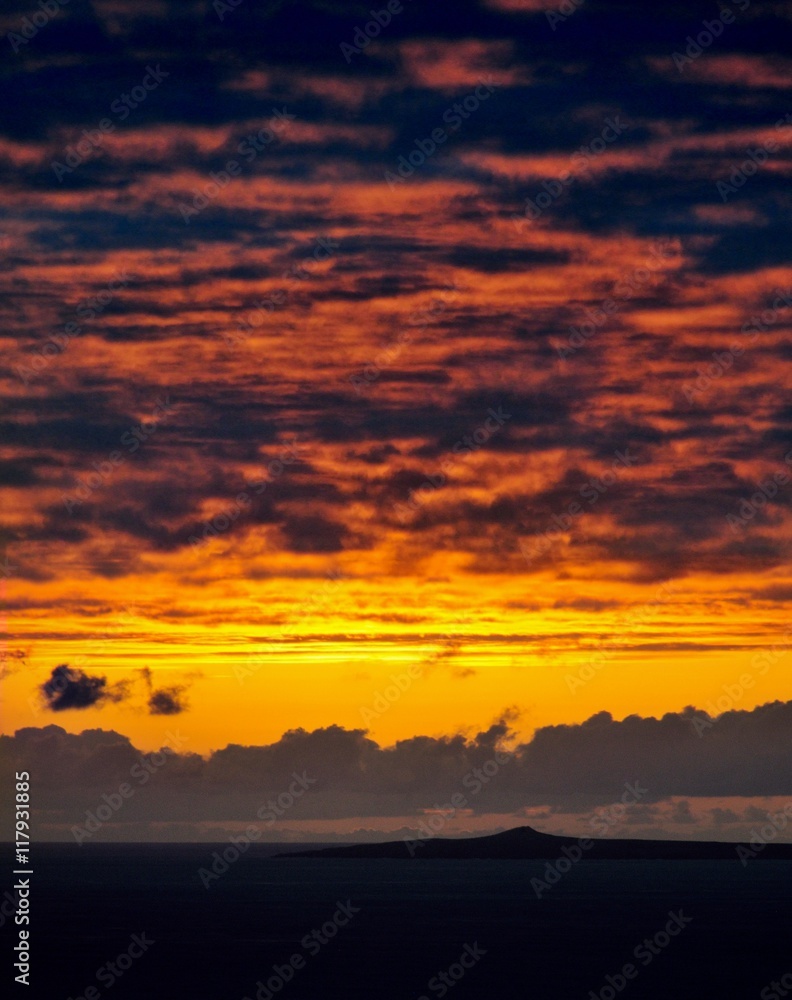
(414,920)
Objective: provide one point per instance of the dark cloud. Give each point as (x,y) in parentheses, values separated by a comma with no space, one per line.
(12,660)
(569,768)
(312,533)
(167,701)
(72,688)
(517,291)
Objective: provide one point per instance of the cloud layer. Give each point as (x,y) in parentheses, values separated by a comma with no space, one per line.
(261,297)
(725,767)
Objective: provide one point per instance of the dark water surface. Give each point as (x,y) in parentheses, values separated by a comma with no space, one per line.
(414,920)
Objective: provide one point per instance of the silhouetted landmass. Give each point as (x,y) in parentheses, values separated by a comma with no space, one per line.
(524,843)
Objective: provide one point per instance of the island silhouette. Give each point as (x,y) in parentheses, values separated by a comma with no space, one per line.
(523,842)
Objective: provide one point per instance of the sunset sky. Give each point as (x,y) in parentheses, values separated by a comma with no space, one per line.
(460,358)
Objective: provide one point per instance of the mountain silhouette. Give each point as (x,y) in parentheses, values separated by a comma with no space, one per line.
(525,842)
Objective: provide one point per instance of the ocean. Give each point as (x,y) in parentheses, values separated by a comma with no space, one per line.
(138,921)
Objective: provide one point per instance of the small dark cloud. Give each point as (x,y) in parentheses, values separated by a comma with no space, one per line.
(12,660)
(167,701)
(69,687)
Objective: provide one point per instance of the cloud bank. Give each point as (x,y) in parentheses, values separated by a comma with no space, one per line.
(724,767)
